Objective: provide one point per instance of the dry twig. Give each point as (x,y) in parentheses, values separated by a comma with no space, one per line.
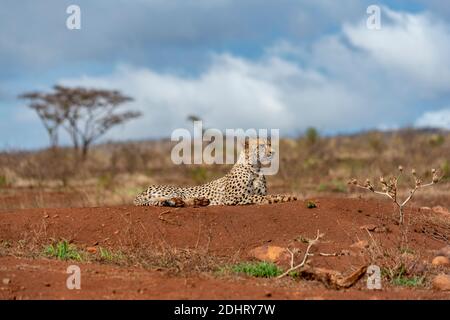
(305,257)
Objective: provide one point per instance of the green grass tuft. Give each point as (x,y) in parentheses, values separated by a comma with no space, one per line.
(257,269)
(311,204)
(404,281)
(399,277)
(110,256)
(63,251)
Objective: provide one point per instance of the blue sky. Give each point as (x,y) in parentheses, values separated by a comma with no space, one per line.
(237,64)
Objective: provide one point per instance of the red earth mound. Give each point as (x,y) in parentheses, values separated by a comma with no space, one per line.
(225,232)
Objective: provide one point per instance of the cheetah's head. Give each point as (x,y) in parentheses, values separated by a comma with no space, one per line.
(258,151)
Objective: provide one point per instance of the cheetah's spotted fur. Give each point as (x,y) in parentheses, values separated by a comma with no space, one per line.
(244,184)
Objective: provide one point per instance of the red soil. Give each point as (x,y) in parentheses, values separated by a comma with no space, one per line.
(221,232)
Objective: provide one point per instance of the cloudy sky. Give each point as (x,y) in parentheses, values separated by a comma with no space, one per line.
(286,64)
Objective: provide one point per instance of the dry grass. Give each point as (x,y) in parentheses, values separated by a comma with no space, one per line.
(177,261)
(400,263)
(115,172)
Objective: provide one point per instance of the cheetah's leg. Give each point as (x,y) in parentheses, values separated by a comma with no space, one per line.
(190,202)
(196,202)
(268,199)
(172,202)
(159,201)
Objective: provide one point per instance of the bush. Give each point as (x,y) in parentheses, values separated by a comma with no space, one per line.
(199,175)
(3,182)
(333,186)
(436,140)
(106,181)
(446,170)
(311,135)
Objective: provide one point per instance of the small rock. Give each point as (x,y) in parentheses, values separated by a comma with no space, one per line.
(360,244)
(425,208)
(441,282)
(46,216)
(55,216)
(441,261)
(91,249)
(370,227)
(270,253)
(116,232)
(6,281)
(445,252)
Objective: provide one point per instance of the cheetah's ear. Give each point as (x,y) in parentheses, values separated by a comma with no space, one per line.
(246,143)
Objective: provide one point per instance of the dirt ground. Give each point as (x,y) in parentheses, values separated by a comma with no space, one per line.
(224,234)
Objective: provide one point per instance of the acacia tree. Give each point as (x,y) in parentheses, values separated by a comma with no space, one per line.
(48,112)
(85,114)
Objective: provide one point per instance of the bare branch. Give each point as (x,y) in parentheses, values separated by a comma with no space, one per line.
(390,188)
(305,257)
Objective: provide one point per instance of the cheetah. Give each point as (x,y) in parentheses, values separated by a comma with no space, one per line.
(243,184)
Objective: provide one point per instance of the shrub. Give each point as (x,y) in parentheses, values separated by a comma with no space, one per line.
(436,140)
(199,175)
(446,170)
(311,136)
(390,188)
(3,182)
(333,186)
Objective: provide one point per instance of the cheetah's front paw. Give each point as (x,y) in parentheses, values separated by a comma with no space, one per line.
(201,202)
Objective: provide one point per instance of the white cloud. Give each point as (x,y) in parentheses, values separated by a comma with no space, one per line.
(411,47)
(353,79)
(233,93)
(435,119)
